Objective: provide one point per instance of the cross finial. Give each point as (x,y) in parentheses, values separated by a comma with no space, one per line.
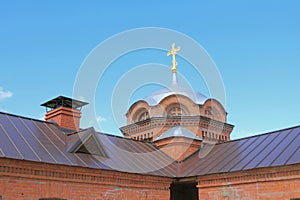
(173,52)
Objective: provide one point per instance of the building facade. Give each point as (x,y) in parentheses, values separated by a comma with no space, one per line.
(176,146)
(46,160)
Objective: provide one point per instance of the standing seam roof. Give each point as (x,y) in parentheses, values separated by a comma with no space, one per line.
(34,140)
(273,149)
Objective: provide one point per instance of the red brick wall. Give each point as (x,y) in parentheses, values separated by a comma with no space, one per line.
(30,180)
(270,183)
(178,148)
(65,117)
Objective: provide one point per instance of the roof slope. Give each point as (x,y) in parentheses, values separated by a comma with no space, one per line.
(39,141)
(34,140)
(267,150)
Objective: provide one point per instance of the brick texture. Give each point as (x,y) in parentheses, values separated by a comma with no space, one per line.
(213,125)
(277,183)
(65,117)
(29,180)
(178,148)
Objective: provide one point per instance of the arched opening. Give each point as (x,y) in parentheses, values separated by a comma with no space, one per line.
(212,112)
(177,109)
(141,114)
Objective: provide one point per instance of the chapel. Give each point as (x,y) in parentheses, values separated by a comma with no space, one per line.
(176,146)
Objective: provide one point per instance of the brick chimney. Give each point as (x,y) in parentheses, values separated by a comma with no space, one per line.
(64,111)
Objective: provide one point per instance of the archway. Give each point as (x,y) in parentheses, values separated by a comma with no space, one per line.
(184,191)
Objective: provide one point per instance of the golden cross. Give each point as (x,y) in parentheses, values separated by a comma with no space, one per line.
(173,52)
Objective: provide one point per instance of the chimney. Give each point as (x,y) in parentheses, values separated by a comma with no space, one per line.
(64,111)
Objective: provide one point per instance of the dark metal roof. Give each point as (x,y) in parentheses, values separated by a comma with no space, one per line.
(267,150)
(34,140)
(64,101)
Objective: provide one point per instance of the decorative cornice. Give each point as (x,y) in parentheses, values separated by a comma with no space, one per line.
(34,170)
(155,122)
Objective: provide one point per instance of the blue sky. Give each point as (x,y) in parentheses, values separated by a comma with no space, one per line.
(255,45)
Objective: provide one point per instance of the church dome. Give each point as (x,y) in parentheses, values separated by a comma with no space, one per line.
(159,95)
(177,131)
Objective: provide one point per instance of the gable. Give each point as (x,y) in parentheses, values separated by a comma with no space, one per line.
(91,146)
(87,143)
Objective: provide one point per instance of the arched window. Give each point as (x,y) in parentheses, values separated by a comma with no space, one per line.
(143,116)
(176,110)
(140,115)
(212,112)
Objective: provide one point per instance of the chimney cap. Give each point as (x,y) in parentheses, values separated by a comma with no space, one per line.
(65,102)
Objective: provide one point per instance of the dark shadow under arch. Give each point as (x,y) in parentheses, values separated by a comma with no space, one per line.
(184,191)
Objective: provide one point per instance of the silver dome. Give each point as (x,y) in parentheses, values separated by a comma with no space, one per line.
(159,95)
(178,131)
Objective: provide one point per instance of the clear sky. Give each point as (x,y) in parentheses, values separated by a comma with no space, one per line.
(255,45)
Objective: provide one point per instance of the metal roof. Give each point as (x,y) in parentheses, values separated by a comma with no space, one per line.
(177,131)
(64,101)
(159,95)
(34,140)
(267,150)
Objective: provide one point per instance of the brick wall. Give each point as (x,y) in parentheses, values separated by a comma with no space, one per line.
(31,180)
(278,183)
(210,124)
(178,148)
(65,117)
